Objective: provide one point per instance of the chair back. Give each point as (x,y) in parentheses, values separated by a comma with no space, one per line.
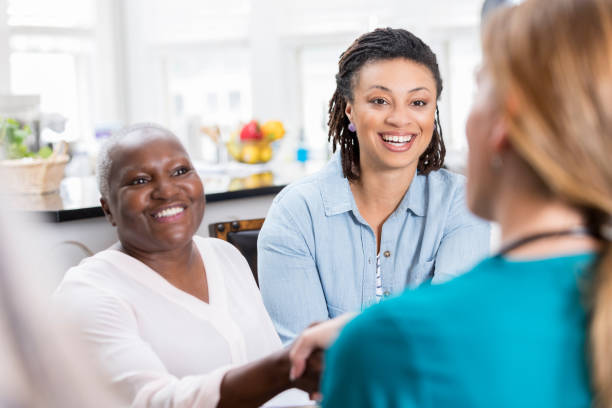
(243,235)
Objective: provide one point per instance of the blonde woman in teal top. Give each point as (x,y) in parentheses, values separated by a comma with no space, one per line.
(508,334)
(530,326)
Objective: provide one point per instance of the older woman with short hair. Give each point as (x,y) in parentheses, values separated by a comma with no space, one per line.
(177,320)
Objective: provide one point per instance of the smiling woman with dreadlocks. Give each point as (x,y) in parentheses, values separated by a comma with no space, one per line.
(382,215)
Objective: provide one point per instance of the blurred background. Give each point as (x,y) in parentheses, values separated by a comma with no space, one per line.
(83,68)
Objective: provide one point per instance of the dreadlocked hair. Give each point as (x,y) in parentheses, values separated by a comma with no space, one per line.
(377,45)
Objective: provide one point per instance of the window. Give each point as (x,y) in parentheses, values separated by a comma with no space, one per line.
(212,86)
(319,64)
(54,50)
(57,86)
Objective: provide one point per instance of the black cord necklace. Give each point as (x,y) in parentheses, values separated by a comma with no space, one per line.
(541,235)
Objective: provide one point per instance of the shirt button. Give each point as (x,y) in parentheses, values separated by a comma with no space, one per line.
(387,254)
(386,293)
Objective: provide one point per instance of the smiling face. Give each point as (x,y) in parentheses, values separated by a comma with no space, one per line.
(393,110)
(156,198)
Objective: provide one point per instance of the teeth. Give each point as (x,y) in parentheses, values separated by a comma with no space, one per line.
(169,212)
(397,139)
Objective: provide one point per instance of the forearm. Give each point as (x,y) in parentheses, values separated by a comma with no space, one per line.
(254,383)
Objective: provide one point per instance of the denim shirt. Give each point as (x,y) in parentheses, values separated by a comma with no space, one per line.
(317,254)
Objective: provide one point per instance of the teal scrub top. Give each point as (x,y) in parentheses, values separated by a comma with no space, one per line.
(507,334)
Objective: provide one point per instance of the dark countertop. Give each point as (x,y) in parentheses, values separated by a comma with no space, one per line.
(78,197)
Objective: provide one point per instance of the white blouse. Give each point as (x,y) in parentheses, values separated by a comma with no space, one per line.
(162,346)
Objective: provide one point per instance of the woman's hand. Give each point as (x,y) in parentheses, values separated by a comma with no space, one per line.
(317,337)
(310,379)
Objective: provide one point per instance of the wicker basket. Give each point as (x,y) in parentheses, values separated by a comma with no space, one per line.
(32,176)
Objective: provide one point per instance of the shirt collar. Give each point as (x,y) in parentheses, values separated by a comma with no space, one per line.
(335,189)
(414,199)
(338,198)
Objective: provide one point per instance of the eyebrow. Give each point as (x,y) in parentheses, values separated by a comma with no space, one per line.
(384,88)
(145,168)
(125,171)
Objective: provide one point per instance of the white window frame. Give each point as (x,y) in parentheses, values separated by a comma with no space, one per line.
(100,74)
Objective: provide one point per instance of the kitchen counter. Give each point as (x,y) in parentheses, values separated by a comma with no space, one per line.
(78,197)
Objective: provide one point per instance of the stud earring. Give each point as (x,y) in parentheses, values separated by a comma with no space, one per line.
(351,127)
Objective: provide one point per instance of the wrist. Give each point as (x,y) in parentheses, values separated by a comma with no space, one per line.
(254,383)
(280,373)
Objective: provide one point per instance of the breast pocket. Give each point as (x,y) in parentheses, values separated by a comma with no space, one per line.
(422,272)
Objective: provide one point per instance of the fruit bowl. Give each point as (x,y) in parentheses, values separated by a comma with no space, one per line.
(253,143)
(251,152)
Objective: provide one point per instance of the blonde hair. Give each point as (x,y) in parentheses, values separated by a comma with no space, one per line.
(552,64)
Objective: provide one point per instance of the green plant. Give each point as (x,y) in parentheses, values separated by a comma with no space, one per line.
(13,135)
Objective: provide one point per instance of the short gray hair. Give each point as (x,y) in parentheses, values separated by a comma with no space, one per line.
(105,160)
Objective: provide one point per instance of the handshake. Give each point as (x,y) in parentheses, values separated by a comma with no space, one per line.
(298,366)
(306,353)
